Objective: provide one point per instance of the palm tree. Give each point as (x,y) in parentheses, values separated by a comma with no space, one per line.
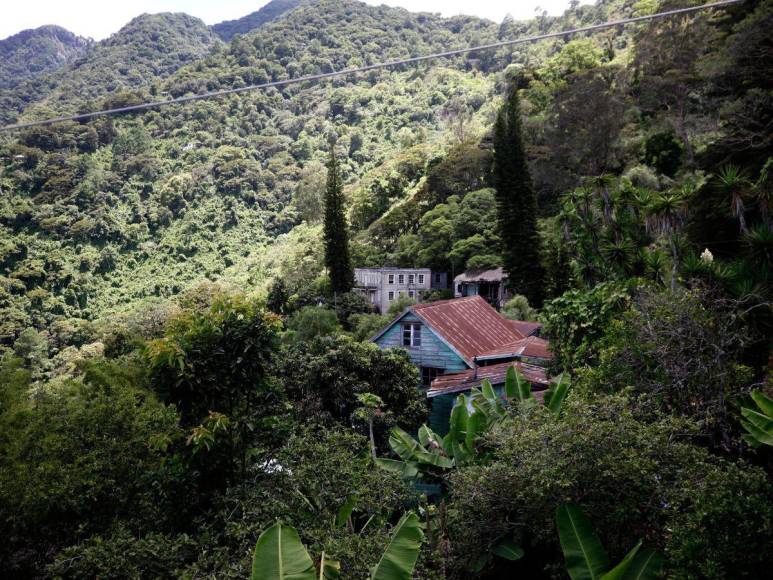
(732,183)
(666,214)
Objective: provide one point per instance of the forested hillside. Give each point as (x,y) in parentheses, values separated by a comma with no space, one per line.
(32,53)
(230,28)
(168,329)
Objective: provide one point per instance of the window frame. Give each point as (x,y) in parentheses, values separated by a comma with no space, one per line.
(421,278)
(391,295)
(400,279)
(390,278)
(411,279)
(427,375)
(413,337)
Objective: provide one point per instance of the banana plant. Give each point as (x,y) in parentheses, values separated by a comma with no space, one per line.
(758,424)
(471,417)
(586,559)
(556,394)
(280,555)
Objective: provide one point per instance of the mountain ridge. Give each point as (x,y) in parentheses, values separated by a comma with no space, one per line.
(227,29)
(37,51)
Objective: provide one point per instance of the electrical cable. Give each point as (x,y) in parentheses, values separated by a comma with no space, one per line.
(376,66)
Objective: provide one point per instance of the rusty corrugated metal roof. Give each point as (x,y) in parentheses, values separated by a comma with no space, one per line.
(466,380)
(525,328)
(469,325)
(531,347)
(494,275)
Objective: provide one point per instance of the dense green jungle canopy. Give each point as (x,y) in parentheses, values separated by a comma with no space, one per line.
(167,327)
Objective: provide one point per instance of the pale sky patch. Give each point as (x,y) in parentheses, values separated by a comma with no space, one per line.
(99,19)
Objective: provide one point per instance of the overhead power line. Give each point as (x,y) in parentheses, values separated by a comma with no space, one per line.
(360,69)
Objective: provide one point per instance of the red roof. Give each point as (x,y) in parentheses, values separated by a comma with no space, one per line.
(524,328)
(469,325)
(531,347)
(464,381)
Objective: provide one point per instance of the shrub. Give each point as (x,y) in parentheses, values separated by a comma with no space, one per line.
(349,304)
(663,152)
(578,318)
(677,351)
(305,484)
(215,360)
(323,378)
(76,459)
(365,326)
(311,322)
(518,308)
(711,518)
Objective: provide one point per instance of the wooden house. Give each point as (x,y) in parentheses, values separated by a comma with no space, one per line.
(491,285)
(382,286)
(454,342)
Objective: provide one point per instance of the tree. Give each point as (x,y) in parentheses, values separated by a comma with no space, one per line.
(516,203)
(278,296)
(336,234)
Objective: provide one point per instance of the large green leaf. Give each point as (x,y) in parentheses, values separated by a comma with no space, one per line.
(584,555)
(399,559)
(329,569)
(457,428)
(280,555)
(429,439)
(508,550)
(405,469)
(411,450)
(764,403)
(554,398)
(647,565)
(345,511)
(620,571)
(404,445)
(759,426)
(520,387)
(511,390)
(476,426)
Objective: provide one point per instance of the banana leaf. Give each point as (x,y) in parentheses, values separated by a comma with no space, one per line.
(345,511)
(404,445)
(645,566)
(405,469)
(516,386)
(584,555)
(476,426)
(399,559)
(620,572)
(508,550)
(329,569)
(411,450)
(764,403)
(457,427)
(280,555)
(554,398)
(427,437)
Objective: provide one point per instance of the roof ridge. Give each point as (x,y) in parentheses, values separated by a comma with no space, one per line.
(425,305)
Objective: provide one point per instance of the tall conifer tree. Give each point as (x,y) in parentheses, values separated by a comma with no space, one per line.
(337,257)
(516,204)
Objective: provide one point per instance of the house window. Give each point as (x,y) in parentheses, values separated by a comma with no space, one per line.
(411,293)
(391,278)
(412,334)
(391,295)
(421,278)
(429,374)
(437,278)
(411,279)
(401,278)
